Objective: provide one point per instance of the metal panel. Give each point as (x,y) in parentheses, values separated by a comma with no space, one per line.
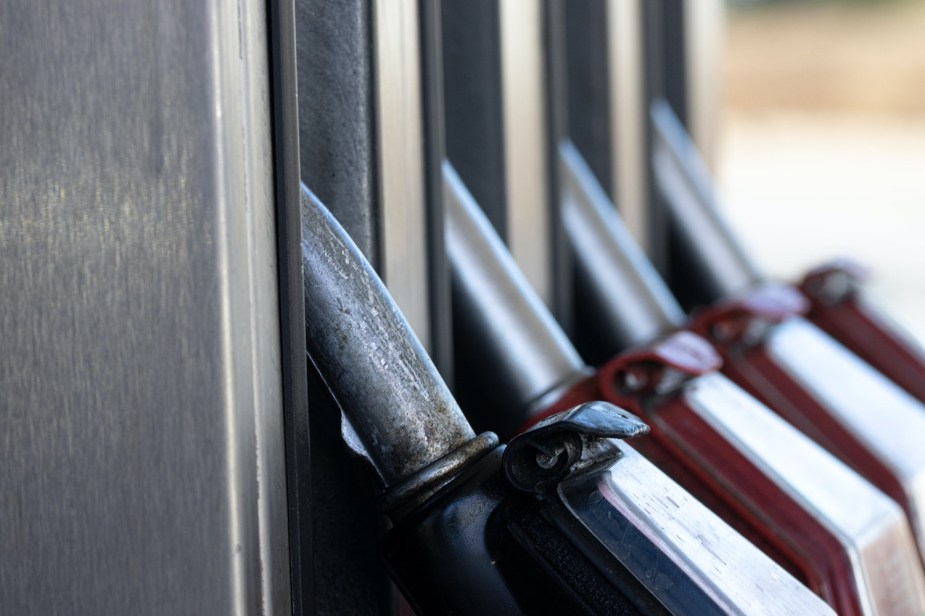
(142,439)
(607,102)
(400,161)
(363,154)
(704,48)
(293,360)
(498,127)
(628,116)
(525,137)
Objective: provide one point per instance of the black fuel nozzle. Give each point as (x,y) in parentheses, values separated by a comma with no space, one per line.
(473,533)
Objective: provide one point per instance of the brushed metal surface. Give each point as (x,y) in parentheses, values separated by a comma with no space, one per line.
(400,159)
(627,120)
(521,352)
(525,137)
(731,575)
(142,441)
(879,413)
(870,525)
(613,274)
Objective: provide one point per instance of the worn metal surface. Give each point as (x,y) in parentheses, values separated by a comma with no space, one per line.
(870,526)
(337,113)
(142,440)
(885,418)
(616,281)
(368,356)
(517,349)
(724,572)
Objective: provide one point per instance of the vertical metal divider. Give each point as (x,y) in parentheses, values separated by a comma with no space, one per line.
(143,450)
(655,15)
(497,125)
(704,47)
(667,80)
(590,87)
(369,139)
(557,130)
(608,103)
(441,326)
(624,50)
(285,126)
(337,117)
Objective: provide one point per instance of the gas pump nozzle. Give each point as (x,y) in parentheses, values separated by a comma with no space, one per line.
(828,526)
(565,518)
(805,375)
(837,303)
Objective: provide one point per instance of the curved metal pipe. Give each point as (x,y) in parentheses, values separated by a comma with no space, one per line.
(682,179)
(628,298)
(368,356)
(522,352)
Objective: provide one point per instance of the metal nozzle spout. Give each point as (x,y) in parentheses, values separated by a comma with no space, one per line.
(368,356)
(519,351)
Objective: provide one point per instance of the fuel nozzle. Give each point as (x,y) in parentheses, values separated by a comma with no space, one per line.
(478,528)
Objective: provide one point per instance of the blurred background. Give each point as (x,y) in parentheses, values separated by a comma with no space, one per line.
(820,144)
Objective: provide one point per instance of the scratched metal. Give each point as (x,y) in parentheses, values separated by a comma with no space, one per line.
(368,355)
(141,452)
(649,523)
(869,525)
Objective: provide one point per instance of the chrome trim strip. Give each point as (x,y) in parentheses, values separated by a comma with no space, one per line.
(871,526)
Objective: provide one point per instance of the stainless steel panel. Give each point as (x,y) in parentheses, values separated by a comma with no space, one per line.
(142,440)
(871,526)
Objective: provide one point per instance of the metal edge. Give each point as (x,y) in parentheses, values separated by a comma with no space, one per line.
(862,517)
(523,89)
(399,154)
(627,117)
(293,365)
